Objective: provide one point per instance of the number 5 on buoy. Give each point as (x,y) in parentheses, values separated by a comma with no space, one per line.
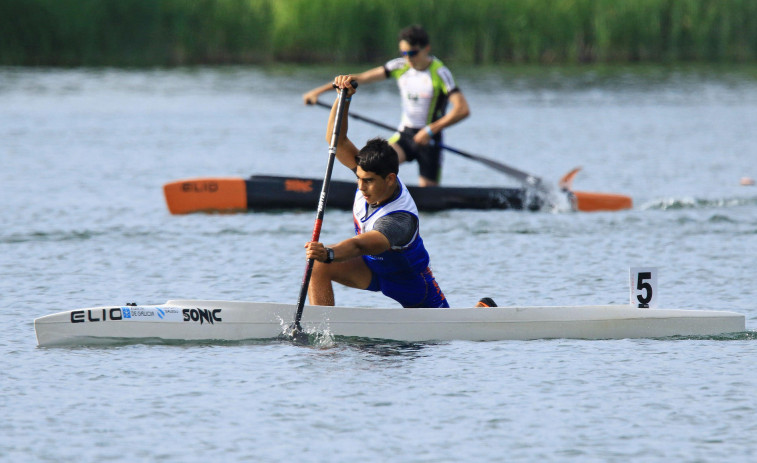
(644,287)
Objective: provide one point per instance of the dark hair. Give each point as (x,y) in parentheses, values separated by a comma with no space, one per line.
(379,157)
(415,35)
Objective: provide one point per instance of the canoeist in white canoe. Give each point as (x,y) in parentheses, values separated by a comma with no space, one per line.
(387,253)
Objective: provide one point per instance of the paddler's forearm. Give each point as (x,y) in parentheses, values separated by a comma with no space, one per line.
(371,243)
(311,97)
(372,75)
(332,118)
(459,111)
(345,149)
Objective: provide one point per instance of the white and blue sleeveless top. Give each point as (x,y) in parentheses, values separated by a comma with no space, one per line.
(411,257)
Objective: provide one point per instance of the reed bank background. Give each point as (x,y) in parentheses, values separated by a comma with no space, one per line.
(144,33)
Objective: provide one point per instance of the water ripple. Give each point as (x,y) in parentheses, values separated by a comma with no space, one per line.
(39,236)
(698,203)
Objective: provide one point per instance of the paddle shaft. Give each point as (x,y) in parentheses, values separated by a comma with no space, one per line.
(524,177)
(341,104)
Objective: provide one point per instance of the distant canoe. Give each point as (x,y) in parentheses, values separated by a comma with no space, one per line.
(266,192)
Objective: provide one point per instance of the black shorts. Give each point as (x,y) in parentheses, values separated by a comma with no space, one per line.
(429,157)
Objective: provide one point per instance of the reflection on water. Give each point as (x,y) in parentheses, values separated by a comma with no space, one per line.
(387,349)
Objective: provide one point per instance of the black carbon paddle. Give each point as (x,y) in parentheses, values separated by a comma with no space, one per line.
(528,180)
(294,331)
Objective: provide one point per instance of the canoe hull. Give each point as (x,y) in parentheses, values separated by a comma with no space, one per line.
(264,192)
(195,320)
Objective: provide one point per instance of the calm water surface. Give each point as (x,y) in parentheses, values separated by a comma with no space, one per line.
(84,154)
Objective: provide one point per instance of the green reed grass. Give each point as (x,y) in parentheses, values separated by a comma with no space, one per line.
(171,32)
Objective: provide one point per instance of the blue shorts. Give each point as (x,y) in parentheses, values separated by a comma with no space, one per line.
(413,290)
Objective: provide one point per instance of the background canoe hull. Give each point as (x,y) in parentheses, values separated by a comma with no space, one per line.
(264,192)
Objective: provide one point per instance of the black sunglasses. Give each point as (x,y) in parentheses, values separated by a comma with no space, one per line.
(409,53)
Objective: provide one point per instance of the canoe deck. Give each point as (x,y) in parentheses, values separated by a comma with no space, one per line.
(196,320)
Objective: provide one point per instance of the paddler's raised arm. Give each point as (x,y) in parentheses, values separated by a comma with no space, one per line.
(345,149)
(365,77)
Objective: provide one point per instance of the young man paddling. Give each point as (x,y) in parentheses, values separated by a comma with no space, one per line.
(387,253)
(426,86)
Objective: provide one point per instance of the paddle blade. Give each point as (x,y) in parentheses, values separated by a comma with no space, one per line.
(206,195)
(566,182)
(295,334)
(585,201)
(595,202)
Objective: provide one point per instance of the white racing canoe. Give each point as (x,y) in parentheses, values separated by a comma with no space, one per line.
(198,320)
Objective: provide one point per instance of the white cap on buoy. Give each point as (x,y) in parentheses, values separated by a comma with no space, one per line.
(747,181)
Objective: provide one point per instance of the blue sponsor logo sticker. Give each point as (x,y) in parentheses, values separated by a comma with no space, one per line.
(126,312)
(161,313)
